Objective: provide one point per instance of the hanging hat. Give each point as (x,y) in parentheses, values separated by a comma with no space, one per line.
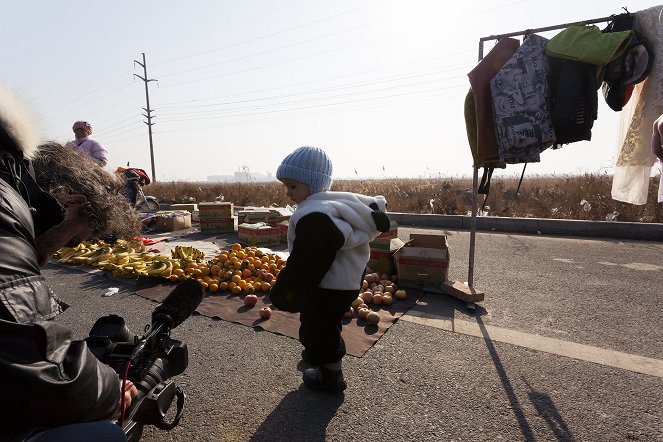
(309,165)
(630,68)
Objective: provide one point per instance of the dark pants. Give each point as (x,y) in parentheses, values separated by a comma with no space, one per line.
(103,431)
(320,324)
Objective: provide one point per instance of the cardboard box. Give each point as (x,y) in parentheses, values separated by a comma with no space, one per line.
(381,258)
(215,210)
(259,216)
(188,207)
(283,231)
(271,215)
(423,262)
(217,225)
(392,232)
(169,221)
(258,234)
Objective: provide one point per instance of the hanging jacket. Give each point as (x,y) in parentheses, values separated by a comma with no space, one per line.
(521,103)
(574,100)
(487,153)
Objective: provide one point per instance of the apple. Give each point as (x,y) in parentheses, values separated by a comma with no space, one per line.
(350,313)
(384,276)
(364,284)
(367,296)
(250,300)
(369,278)
(394,278)
(377,299)
(363,312)
(372,318)
(387,299)
(265,312)
(400,294)
(389,289)
(357,302)
(363,305)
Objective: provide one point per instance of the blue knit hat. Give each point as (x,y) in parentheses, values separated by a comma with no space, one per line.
(309,165)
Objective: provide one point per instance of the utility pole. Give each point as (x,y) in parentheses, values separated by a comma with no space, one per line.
(148,111)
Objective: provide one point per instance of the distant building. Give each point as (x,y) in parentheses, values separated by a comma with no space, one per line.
(241,176)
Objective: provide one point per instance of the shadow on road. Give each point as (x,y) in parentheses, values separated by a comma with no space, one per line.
(506,384)
(301,415)
(546,408)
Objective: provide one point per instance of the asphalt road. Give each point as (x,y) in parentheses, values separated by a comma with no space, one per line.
(433,381)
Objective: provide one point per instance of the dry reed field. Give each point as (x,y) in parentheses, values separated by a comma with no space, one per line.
(585,197)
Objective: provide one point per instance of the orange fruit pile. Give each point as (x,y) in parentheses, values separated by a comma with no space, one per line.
(240,270)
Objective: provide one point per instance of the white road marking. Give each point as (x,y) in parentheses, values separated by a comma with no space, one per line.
(597,355)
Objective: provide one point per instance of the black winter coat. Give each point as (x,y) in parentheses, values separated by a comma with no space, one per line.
(48,379)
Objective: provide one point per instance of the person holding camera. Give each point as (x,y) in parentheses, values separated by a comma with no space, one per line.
(54,387)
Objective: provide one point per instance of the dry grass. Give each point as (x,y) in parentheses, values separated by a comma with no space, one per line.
(585,197)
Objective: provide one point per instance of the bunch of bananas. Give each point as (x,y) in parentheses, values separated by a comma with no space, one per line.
(126,259)
(84,253)
(188,253)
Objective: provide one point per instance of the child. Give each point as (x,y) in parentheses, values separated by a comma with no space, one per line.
(328,238)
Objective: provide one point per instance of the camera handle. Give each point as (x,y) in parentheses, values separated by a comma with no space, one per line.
(152,408)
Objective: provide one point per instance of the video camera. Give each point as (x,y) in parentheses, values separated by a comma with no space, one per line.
(149,361)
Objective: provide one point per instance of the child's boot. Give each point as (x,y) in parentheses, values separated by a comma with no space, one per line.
(325,378)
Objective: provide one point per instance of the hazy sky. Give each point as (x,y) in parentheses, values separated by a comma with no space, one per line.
(378,84)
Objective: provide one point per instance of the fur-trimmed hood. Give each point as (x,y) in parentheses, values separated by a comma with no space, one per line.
(16,121)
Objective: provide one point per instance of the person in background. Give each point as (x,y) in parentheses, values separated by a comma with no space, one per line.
(56,390)
(83,143)
(657,138)
(328,241)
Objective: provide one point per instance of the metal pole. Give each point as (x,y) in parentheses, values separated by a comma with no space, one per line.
(148,112)
(473,219)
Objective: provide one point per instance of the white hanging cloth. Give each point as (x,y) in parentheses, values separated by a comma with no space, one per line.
(634,162)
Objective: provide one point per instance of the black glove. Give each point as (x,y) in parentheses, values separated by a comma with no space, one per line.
(380,218)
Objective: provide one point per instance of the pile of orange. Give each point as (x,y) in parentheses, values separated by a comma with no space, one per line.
(240,270)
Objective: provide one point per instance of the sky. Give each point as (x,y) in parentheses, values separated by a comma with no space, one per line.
(378,84)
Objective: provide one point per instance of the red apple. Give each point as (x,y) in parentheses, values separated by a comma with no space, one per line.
(363,313)
(377,299)
(250,300)
(265,312)
(350,313)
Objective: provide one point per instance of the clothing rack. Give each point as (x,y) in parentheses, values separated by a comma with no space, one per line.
(475,176)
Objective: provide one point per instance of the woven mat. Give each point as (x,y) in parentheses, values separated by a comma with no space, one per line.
(357,334)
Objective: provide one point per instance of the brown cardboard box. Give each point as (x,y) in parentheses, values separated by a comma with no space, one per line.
(188,207)
(169,221)
(272,215)
(258,234)
(217,225)
(215,210)
(381,258)
(392,232)
(283,230)
(423,262)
